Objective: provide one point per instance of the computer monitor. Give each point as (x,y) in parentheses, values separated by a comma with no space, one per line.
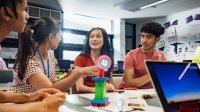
(120,65)
(64,64)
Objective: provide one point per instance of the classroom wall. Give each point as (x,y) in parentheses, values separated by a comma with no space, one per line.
(179,41)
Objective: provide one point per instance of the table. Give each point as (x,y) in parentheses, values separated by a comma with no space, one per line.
(3,86)
(117,101)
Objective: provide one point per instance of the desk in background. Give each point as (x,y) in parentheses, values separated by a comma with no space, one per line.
(128,96)
(3,86)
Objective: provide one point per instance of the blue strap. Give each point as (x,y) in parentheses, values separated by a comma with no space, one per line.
(43,63)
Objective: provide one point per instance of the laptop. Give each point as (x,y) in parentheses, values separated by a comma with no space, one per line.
(64,64)
(176,83)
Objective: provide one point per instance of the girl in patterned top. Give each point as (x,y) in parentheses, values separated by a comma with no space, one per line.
(13,17)
(35,63)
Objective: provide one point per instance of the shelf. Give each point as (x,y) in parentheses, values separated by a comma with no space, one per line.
(174,44)
(197,41)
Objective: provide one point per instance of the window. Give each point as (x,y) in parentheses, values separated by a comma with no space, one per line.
(80,22)
(70,55)
(73,38)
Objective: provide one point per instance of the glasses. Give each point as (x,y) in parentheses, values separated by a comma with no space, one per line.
(14,8)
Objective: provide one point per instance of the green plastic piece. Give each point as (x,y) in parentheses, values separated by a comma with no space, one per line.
(100,91)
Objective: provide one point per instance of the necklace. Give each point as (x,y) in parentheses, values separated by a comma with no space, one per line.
(43,63)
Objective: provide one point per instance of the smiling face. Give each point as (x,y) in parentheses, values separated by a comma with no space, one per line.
(96,39)
(148,41)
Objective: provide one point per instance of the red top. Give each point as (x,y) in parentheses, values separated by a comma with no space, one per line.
(135,60)
(85,61)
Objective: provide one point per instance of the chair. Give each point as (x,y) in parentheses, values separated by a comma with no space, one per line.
(117,81)
(6,76)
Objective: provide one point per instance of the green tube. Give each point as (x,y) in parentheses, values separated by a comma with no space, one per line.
(100,90)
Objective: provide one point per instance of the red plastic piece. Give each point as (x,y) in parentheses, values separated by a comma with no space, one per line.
(100,105)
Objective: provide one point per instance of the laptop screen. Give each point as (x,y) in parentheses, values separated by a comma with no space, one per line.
(175,82)
(178,87)
(120,65)
(64,64)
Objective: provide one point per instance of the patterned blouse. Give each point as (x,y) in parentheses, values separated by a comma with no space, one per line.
(34,66)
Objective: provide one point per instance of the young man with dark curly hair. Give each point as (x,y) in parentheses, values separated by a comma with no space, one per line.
(135,74)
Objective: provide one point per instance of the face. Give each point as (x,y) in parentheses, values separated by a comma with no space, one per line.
(96,39)
(55,40)
(148,41)
(18,24)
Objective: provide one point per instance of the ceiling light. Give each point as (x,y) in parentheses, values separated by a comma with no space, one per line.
(153,4)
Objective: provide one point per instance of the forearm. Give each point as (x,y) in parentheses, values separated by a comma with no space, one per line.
(7,97)
(67,82)
(137,82)
(85,89)
(28,107)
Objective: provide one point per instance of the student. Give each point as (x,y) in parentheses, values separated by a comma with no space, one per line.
(35,63)
(135,74)
(13,17)
(96,44)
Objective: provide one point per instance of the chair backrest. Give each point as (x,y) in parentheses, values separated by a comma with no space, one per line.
(6,76)
(117,81)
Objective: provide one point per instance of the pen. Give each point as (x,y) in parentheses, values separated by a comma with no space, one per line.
(130,88)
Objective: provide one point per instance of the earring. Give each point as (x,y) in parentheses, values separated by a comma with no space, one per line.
(7,18)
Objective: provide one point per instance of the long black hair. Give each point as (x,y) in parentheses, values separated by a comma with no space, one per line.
(37,33)
(105,50)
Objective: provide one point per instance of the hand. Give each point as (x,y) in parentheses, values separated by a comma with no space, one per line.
(148,78)
(41,94)
(109,87)
(53,102)
(87,71)
(49,91)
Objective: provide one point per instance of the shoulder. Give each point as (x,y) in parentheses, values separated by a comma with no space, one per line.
(81,60)
(1,59)
(133,52)
(161,56)
(50,52)
(82,57)
(159,53)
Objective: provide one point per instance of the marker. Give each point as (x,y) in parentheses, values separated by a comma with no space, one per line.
(130,88)
(119,91)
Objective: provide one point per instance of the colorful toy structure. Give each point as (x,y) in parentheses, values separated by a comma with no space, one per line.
(100,100)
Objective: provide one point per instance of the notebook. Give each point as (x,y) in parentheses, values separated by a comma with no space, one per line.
(175,83)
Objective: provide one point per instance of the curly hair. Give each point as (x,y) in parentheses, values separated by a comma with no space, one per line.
(153,28)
